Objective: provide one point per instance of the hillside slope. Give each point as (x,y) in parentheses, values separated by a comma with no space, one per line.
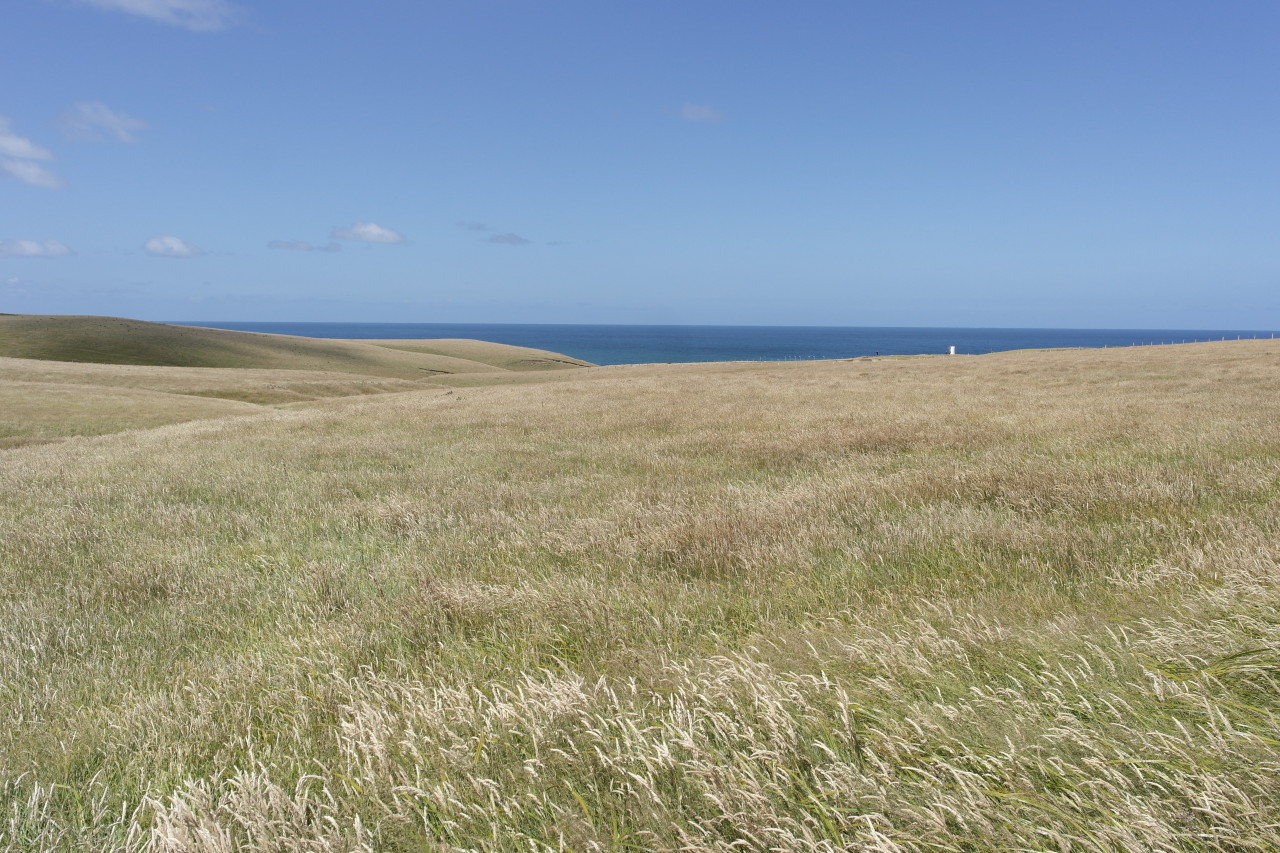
(114,340)
(64,376)
(253,385)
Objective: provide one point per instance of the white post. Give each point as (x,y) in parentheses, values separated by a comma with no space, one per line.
(953,351)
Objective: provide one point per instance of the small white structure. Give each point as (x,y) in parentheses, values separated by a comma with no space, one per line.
(953,351)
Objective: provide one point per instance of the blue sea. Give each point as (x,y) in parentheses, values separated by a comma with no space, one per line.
(647,344)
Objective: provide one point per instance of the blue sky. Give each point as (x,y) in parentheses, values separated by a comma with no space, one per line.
(1046,164)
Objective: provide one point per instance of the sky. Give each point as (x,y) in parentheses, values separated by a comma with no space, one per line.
(1020,163)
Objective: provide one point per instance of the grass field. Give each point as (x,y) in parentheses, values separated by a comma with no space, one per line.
(1011,602)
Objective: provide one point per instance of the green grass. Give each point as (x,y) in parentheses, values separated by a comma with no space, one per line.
(1010,602)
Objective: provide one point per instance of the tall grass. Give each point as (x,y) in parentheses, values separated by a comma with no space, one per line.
(1022,602)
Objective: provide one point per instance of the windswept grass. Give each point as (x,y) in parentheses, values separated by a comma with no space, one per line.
(1014,602)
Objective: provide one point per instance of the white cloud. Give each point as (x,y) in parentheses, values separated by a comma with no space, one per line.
(33,249)
(367,232)
(303,246)
(21,159)
(94,119)
(197,15)
(700,112)
(13,145)
(171,247)
(31,172)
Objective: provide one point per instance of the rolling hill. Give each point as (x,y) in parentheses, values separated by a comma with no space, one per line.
(115,340)
(65,376)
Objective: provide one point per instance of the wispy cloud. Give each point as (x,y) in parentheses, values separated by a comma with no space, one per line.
(304,246)
(31,172)
(198,15)
(14,286)
(504,239)
(33,249)
(367,232)
(700,113)
(509,240)
(95,120)
(165,246)
(22,159)
(13,145)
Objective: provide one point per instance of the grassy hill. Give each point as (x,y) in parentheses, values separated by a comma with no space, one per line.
(113,340)
(1011,602)
(64,376)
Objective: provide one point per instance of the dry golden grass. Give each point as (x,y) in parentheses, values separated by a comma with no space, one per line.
(1011,602)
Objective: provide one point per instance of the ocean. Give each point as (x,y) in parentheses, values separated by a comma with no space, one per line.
(618,344)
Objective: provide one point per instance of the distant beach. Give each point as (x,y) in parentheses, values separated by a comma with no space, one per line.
(626,344)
